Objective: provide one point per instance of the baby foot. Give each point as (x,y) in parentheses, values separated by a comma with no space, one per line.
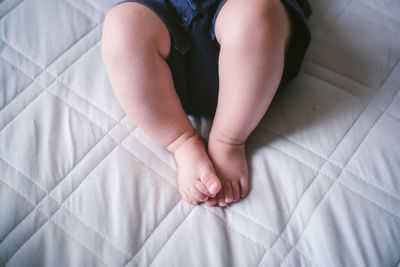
(229,159)
(197,180)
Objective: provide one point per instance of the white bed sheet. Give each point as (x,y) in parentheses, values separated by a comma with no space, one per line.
(80,185)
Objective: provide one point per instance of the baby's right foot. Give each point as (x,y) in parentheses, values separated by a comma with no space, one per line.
(197,180)
(229,159)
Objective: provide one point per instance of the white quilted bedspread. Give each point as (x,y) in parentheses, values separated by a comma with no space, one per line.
(80,185)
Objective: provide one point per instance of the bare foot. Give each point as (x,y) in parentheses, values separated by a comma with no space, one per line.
(229,159)
(197,180)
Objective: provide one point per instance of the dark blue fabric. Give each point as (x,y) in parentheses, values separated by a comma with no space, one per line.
(193,59)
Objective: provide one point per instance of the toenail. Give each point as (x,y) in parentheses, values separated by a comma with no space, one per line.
(214,187)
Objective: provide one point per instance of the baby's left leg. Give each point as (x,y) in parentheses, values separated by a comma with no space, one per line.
(253,35)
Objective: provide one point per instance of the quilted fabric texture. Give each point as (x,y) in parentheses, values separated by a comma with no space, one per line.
(80,185)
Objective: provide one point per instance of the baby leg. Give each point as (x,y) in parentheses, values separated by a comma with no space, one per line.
(135,44)
(253,36)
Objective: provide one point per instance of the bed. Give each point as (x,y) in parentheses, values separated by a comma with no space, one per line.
(81,185)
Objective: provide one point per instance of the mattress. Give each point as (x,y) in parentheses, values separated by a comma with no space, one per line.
(81,185)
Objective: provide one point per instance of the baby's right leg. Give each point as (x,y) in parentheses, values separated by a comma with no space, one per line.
(135,44)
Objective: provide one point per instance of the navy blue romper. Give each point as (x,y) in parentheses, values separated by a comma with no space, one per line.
(193,59)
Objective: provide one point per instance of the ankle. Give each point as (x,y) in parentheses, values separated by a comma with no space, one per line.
(220,137)
(180,140)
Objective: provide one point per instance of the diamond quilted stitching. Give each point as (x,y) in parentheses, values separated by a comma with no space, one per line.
(370,62)
(96,89)
(63,25)
(16,239)
(95,244)
(18,61)
(13,85)
(161,234)
(16,186)
(7,7)
(270,184)
(372,116)
(220,253)
(91,9)
(390,8)
(338,80)
(10,214)
(104,5)
(50,207)
(377,160)
(349,235)
(43,145)
(114,180)
(35,252)
(140,150)
(329,113)
(327,11)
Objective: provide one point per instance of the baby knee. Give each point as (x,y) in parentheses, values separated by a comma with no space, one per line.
(132,27)
(260,19)
(270,20)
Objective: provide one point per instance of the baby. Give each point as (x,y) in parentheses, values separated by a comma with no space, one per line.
(170,58)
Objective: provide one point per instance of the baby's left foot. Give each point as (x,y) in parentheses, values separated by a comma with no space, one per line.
(229,159)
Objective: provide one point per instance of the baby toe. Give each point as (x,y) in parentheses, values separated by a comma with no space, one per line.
(203,189)
(186,198)
(221,198)
(222,204)
(197,195)
(211,181)
(236,191)
(211,202)
(228,192)
(221,195)
(244,187)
